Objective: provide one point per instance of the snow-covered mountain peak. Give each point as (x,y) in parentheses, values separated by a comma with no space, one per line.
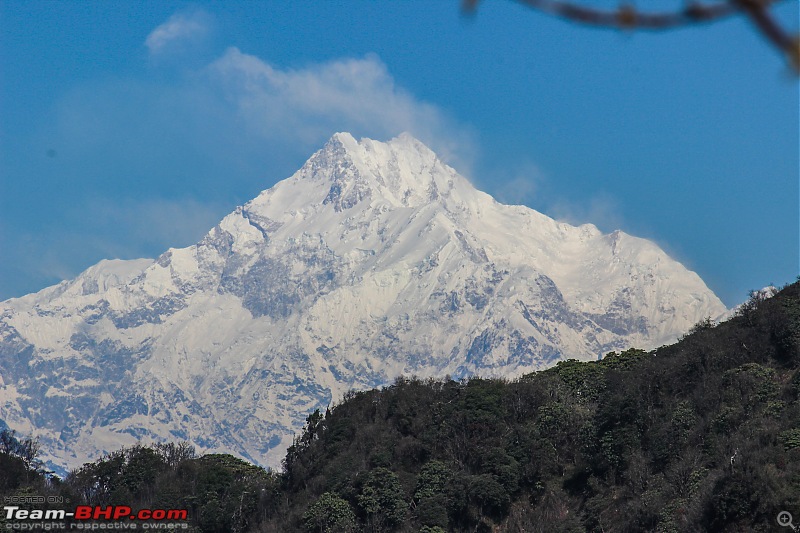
(96,279)
(374,259)
(402,172)
(404,154)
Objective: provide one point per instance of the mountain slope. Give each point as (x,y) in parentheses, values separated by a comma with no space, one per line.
(700,436)
(373,260)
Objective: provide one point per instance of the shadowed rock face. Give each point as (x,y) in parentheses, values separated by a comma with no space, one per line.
(373,260)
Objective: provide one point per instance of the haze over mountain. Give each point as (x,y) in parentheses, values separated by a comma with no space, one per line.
(372,261)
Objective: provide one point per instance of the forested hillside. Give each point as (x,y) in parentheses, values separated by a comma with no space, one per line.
(703,435)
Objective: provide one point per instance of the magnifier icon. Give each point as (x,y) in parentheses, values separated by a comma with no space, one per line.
(785,520)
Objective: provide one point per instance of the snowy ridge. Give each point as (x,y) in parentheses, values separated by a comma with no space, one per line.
(373,260)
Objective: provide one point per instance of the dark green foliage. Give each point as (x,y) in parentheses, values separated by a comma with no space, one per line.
(330,514)
(12,472)
(489,495)
(25,450)
(18,461)
(221,493)
(790,438)
(382,500)
(701,436)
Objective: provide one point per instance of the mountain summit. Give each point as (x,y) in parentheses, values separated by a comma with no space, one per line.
(373,260)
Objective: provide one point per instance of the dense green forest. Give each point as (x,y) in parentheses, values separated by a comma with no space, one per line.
(703,435)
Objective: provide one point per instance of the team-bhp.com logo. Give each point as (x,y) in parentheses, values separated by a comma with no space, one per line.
(149,518)
(88,512)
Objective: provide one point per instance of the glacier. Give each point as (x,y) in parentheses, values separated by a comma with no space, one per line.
(374,260)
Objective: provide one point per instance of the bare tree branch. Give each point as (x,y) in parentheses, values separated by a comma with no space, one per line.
(758,12)
(629,18)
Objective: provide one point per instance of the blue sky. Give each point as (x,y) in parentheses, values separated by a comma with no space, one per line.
(130,127)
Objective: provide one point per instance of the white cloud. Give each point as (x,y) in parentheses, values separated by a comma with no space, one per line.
(358,95)
(522,187)
(602,210)
(529,185)
(180,28)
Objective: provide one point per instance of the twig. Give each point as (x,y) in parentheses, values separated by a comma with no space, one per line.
(628,17)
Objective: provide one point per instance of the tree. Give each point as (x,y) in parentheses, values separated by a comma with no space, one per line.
(329,514)
(25,449)
(431,494)
(381,498)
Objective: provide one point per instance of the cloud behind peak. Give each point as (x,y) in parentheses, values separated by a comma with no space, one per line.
(180,29)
